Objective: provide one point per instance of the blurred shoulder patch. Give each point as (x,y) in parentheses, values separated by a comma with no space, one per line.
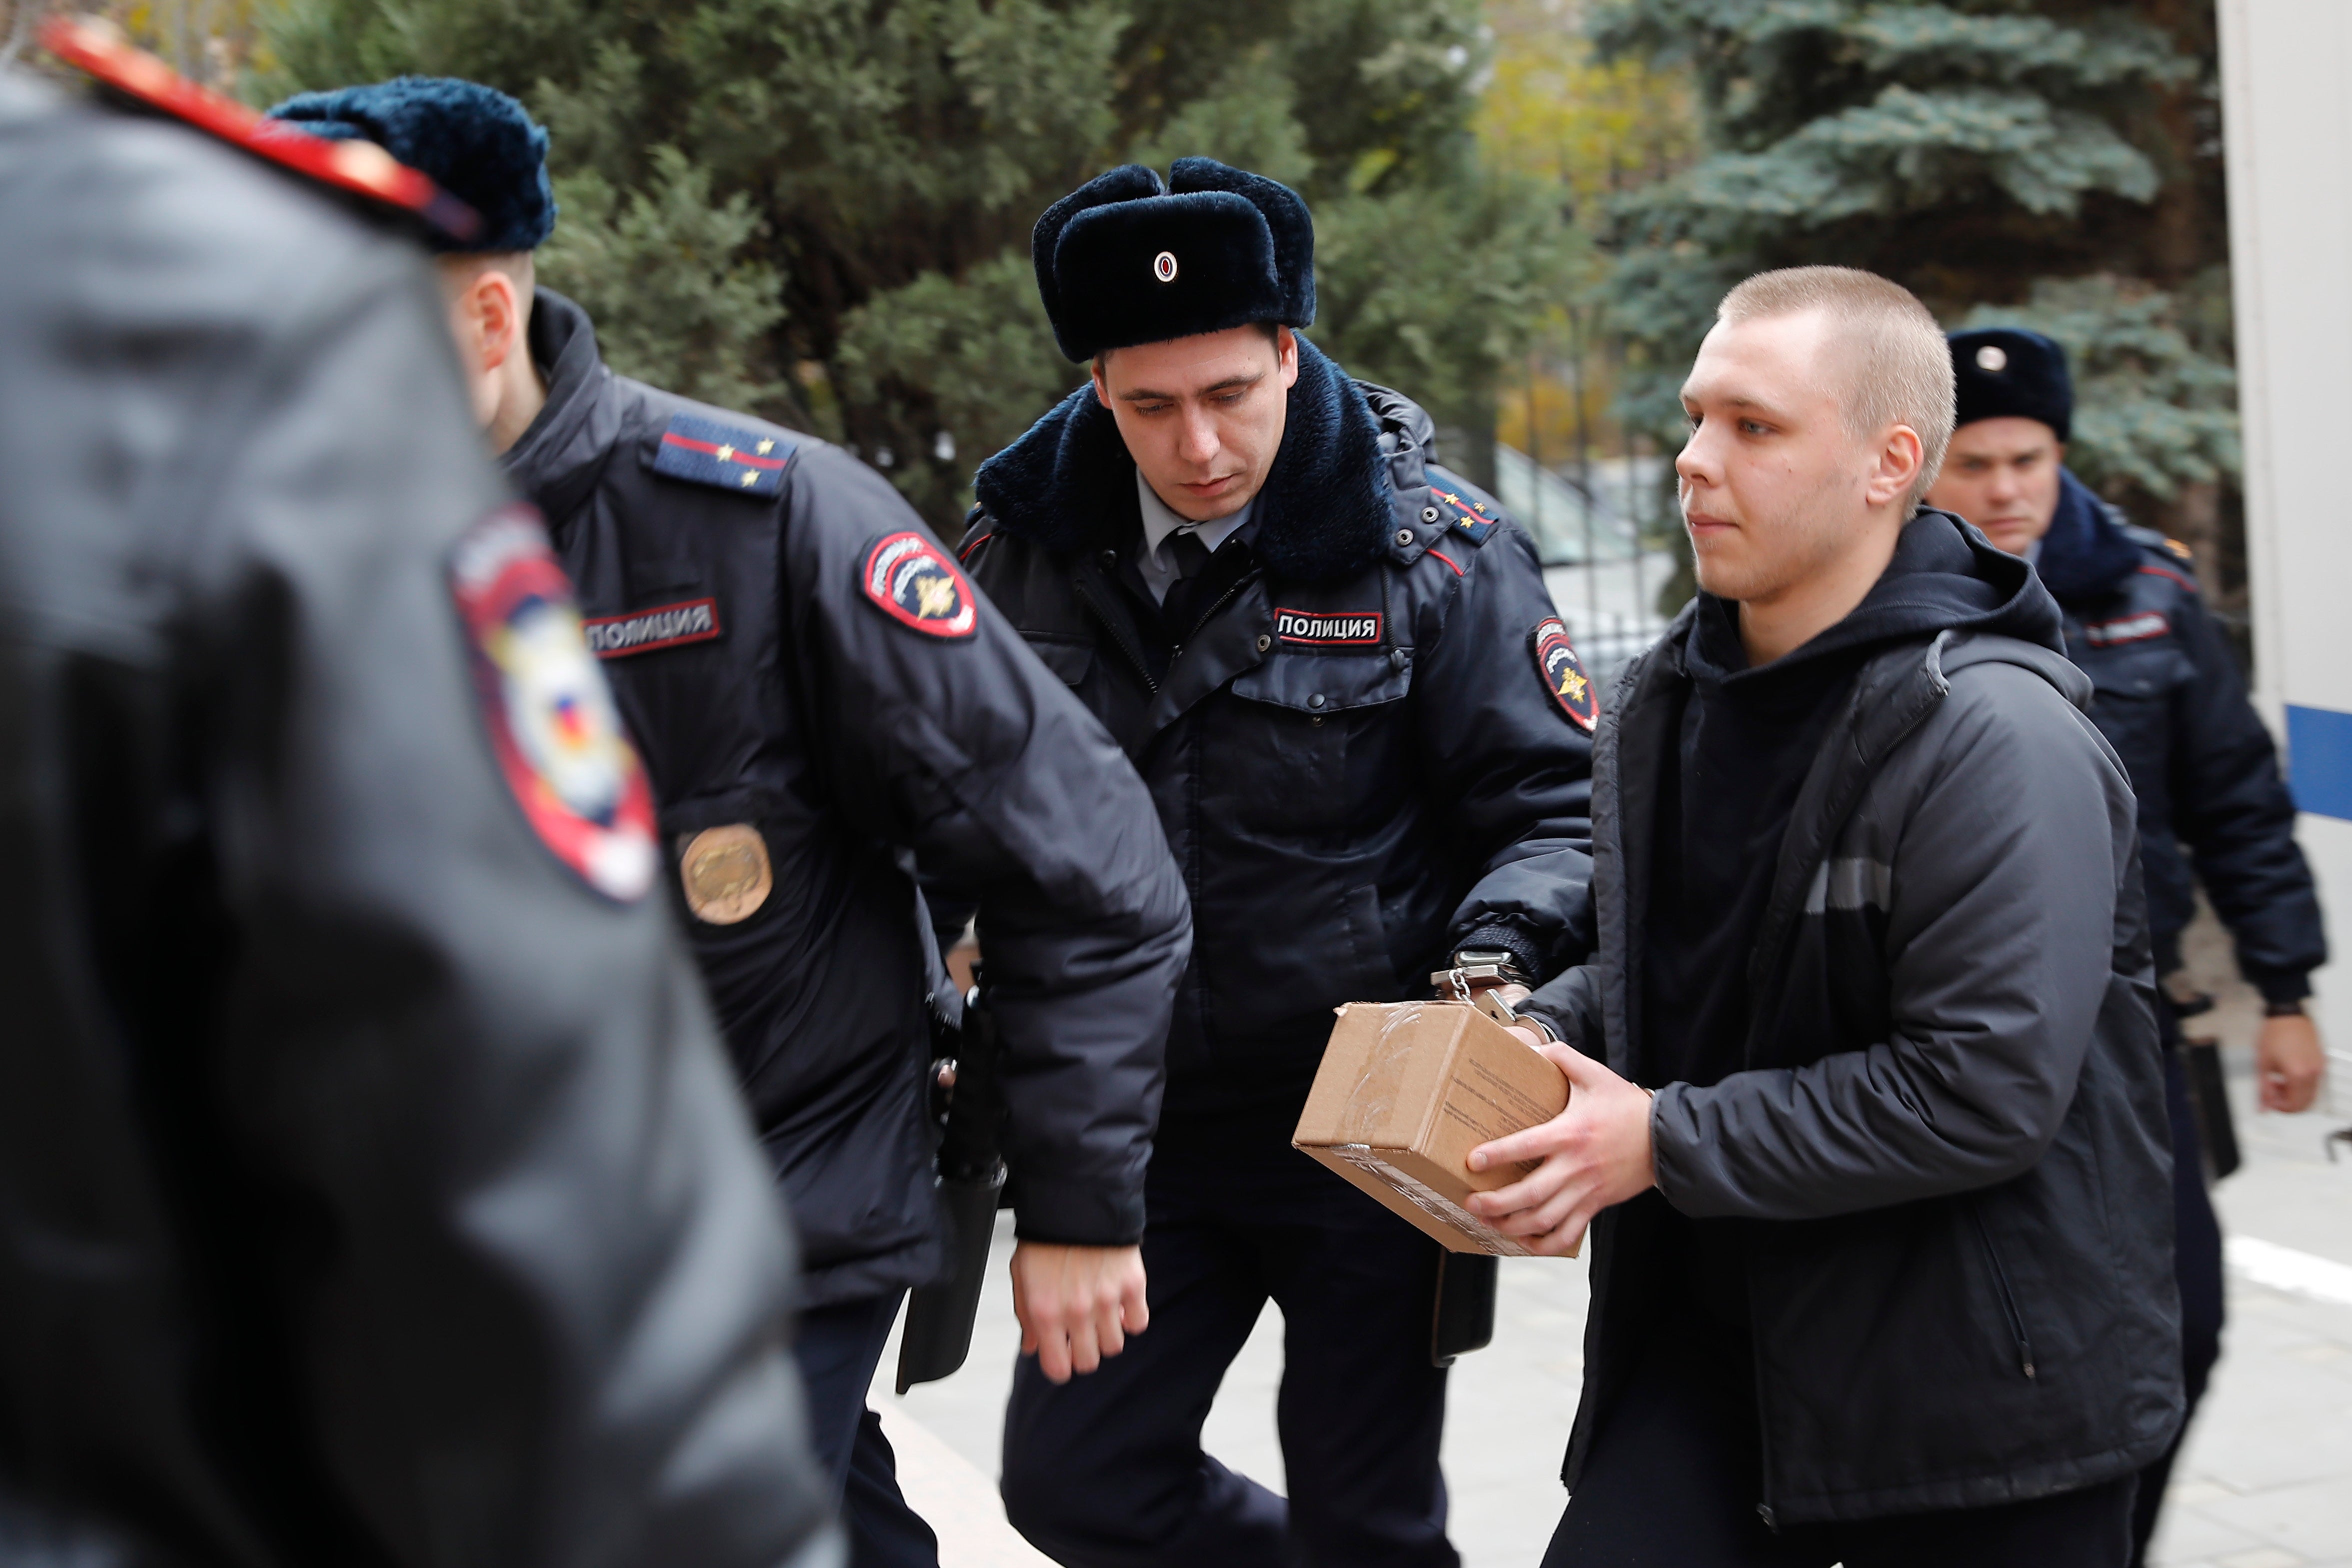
(723,456)
(550,719)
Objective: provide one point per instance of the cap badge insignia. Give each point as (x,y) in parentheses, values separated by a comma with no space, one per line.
(910,581)
(1992,357)
(726,873)
(550,717)
(1164,266)
(1563,673)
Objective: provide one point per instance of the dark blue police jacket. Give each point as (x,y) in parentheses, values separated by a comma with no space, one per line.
(799,660)
(2170,700)
(1373,744)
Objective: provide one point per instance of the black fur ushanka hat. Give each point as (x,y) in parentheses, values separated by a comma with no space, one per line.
(1121,261)
(2008,373)
(476,143)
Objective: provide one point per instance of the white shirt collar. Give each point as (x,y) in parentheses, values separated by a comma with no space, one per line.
(1159,522)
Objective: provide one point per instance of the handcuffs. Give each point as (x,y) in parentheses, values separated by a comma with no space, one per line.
(1478,977)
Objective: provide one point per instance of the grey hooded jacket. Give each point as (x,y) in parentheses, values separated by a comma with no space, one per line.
(1949,1136)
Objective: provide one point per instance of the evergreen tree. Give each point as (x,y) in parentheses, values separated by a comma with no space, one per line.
(2054,164)
(822,207)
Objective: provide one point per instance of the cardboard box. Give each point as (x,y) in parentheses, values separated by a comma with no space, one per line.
(1406,1090)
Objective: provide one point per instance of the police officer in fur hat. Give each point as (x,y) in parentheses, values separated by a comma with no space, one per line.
(2169,698)
(824,703)
(1336,666)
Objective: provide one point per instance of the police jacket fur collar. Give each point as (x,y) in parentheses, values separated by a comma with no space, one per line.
(1324,514)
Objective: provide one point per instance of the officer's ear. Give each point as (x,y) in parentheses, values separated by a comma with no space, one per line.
(490,305)
(1102,386)
(1285,350)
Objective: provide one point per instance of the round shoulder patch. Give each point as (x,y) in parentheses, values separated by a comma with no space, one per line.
(1563,674)
(917,586)
(549,715)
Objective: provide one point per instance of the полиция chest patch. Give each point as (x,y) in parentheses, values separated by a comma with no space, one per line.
(658,626)
(1328,628)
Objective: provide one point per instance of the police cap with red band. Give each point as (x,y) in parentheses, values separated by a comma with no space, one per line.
(360,167)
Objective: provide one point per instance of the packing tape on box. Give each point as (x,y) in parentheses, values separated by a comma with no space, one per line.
(1374,1096)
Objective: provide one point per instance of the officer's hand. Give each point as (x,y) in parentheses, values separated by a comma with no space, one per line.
(2289,1061)
(1595,1154)
(1076,1304)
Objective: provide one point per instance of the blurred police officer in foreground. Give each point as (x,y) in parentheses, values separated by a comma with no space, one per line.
(375,1190)
(1337,667)
(818,690)
(2169,699)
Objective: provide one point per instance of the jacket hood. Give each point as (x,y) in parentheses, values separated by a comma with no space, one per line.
(1324,513)
(556,462)
(2086,554)
(1945,576)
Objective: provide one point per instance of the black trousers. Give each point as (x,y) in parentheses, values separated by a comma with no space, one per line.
(1672,1478)
(2197,1264)
(838,1348)
(1106,1470)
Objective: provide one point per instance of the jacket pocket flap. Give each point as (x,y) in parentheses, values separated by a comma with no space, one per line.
(1326,683)
(1067,658)
(2137,671)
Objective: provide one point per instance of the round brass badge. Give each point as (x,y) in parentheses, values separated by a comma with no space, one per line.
(726,873)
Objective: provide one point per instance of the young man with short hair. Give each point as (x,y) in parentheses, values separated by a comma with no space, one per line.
(1868,1104)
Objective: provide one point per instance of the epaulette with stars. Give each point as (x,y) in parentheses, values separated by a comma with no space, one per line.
(723,456)
(1461,514)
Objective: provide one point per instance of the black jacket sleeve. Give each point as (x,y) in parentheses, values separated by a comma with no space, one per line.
(1514,771)
(970,752)
(527,1261)
(2231,811)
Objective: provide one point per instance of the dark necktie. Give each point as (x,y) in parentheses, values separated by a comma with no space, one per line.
(1192,560)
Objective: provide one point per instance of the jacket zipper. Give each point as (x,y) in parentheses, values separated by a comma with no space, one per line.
(1201,620)
(1119,635)
(2008,1298)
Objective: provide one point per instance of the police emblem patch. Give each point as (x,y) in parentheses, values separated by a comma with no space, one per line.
(550,717)
(643,631)
(907,577)
(1563,673)
(726,875)
(1328,628)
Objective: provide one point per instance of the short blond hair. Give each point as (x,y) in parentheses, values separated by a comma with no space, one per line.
(1903,365)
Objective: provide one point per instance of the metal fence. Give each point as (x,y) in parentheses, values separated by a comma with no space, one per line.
(1603,568)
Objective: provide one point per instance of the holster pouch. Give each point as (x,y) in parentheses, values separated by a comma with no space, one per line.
(2208,1098)
(1462,1318)
(939,1316)
(972,1177)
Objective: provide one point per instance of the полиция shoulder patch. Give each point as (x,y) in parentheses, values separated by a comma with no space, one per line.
(552,725)
(1563,673)
(908,579)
